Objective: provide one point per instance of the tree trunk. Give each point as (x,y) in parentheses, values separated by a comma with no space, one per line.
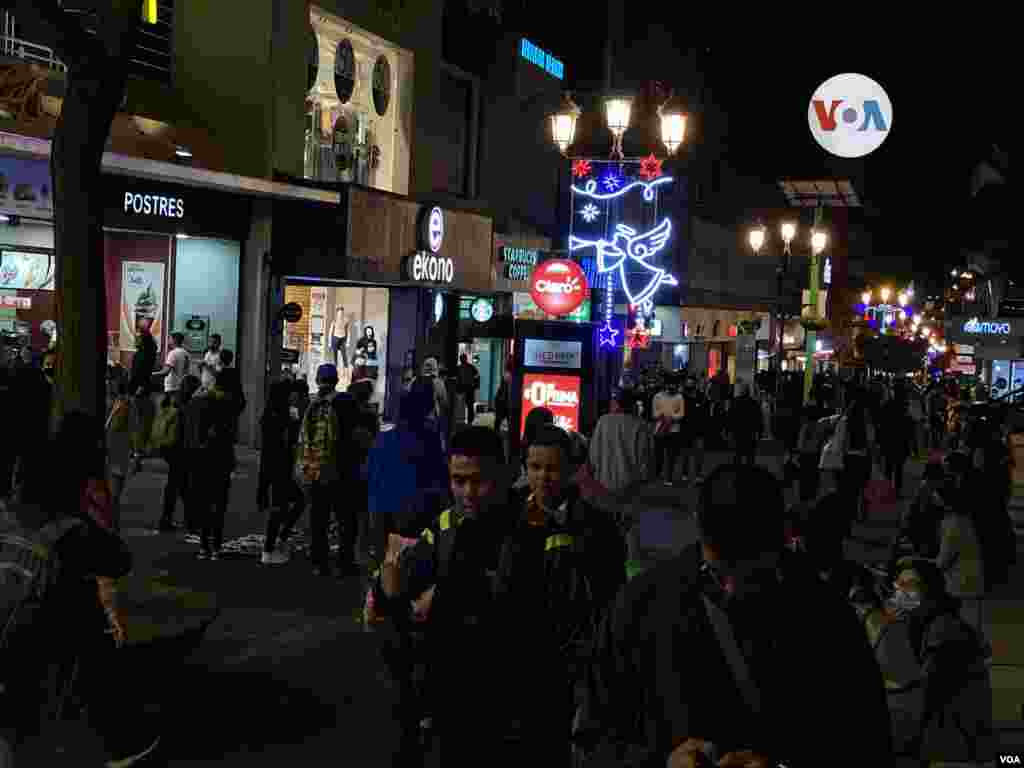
(95,88)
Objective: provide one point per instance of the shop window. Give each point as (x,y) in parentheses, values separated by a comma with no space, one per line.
(27,298)
(714,362)
(206,280)
(345,325)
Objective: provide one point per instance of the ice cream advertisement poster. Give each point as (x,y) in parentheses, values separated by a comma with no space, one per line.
(26,271)
(142,297)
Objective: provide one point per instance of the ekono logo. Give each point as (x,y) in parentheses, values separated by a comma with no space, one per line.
(850,115)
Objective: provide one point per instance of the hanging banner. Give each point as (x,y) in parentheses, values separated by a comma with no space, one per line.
(142,298)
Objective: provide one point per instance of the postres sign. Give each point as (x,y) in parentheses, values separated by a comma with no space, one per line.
(559,286)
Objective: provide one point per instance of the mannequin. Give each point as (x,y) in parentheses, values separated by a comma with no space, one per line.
(366,347)
(339,337)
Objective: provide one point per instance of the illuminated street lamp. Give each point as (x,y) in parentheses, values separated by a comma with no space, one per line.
(866,298)
(563,123)
(756,238)
(673,123)
(903,299)
(617,111)
(885,295)
(788,233)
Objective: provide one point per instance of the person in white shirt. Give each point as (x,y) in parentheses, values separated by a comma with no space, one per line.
(668,411)
(212,357)
(175,367)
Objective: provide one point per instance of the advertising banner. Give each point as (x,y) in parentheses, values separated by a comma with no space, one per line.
(26,271)
(25,187)
(524,308)
(559,394)
(543,353)
(142,298)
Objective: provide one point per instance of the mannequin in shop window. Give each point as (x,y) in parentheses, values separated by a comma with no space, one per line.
(366,347)
(339,337)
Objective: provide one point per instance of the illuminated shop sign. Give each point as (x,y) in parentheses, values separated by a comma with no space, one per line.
(542,353)
(424,267)
(559,394)
(154,205)
(541,58)
(987,328)
(518,262)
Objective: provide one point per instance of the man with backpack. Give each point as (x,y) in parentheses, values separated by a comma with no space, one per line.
(167,440)
(60,635)
(438,596)
(469,383)
(328,462)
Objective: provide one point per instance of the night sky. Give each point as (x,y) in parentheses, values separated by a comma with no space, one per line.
(949,99)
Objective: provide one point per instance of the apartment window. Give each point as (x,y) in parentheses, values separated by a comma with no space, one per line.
(150,59)
(454,165)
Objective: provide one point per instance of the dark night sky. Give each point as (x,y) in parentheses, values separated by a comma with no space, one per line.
(947,95)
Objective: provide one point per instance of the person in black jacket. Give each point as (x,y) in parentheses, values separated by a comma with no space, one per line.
(560,567)
(732,651)
(439,597)
(276,484)
(140,385)
(745,424)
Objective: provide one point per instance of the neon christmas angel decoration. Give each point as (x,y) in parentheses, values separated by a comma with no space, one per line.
(628,246)
(649,188)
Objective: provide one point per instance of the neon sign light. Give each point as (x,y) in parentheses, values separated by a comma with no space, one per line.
(986,328)
(649,188)
(541,58)
(628,246)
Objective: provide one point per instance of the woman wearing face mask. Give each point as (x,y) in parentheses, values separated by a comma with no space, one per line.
(950,704)
(276,482)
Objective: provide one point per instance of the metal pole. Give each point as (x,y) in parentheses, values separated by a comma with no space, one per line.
(812,334)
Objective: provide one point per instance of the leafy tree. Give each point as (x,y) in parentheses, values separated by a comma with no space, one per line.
(93,38)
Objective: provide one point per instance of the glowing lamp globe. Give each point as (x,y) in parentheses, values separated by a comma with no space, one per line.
(789,232)
(617,111)
(866,297)
(885,295)
(563,124)
(757,239)
(673,124)
(818,240)
(903,299)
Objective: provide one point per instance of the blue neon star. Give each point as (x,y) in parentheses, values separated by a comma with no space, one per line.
(607,335)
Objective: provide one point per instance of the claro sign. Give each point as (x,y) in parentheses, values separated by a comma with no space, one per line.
(559,286)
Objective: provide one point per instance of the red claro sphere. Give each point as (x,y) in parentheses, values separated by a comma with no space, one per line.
(559,286)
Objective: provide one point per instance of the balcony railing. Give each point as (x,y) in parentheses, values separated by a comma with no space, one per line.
(151,57)
(13,47)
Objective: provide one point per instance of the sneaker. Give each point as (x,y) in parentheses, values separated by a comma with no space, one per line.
(203,555)
(277,557)
(133,756)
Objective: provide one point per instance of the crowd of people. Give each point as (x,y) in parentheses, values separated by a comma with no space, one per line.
(508,592)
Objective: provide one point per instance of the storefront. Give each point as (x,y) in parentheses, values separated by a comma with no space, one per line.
(172,257)
(710,338)
(382,282)
(993,350)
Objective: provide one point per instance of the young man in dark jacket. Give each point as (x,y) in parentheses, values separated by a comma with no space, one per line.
(560,567)
(438,598)
(730,652)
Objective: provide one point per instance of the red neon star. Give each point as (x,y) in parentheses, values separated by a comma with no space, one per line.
(580,168)
(639,338)
(650,167)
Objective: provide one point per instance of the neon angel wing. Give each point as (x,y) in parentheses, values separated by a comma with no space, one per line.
(640,247)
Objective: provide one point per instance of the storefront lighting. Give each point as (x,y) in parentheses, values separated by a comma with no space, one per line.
(903,299)
(885,295)
(818,241)
(917,319)
(183,152)
(866,297)
(817,345)
(4,219)
(182,236)
(788,232)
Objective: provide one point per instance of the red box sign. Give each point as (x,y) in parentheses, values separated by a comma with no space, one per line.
(559,394)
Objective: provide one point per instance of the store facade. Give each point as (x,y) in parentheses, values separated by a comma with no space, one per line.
(992,349)
(382,282)
(710,338)
(172,257)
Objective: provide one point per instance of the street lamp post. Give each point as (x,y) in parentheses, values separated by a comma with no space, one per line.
(757,238)
(818,241)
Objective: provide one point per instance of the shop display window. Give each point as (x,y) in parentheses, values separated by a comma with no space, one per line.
(345,325)
(206,280)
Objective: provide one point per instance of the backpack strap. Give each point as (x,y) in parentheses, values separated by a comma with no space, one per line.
(730,649)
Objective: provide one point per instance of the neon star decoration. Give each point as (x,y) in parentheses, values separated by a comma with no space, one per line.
(650,167)
(628,246)
(607,335)
(649,188)
(581,168)
(639,338)
(590,212)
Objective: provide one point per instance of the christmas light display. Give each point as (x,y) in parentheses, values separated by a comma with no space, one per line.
(580,168)
(590,212)
(650,167)
(649,189)
(627,249)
